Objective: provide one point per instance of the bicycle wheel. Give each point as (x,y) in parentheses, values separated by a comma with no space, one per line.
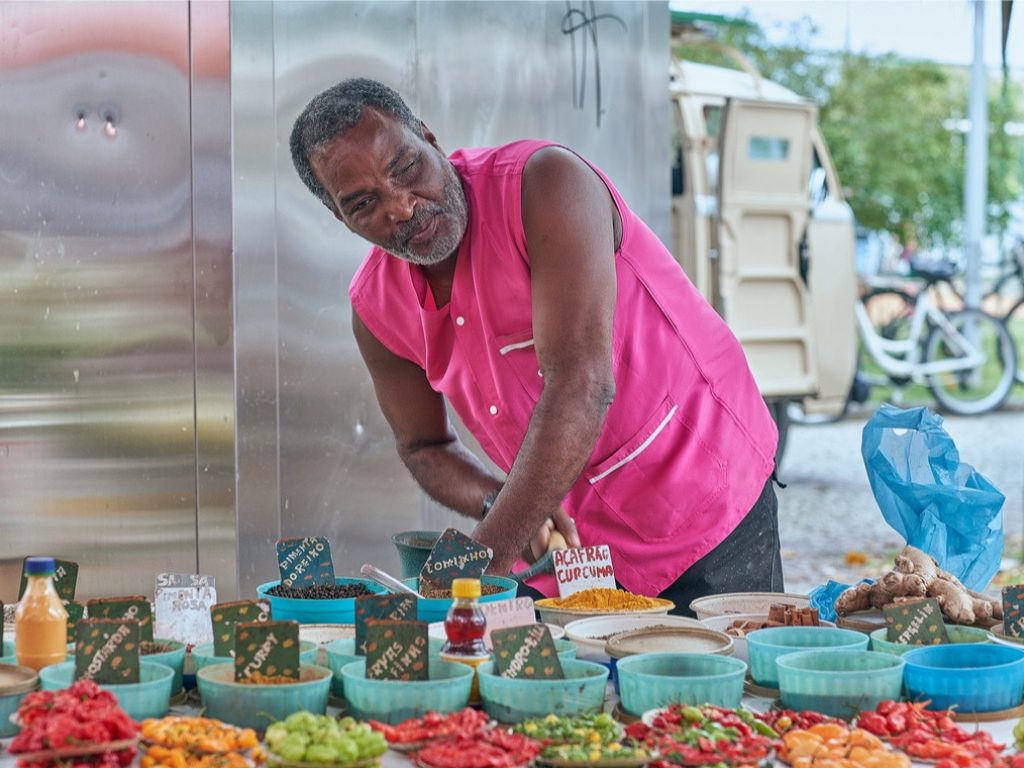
(1014,322)
(890,311)
(976,390)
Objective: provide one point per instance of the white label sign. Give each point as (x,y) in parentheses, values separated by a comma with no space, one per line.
(516,612)
(182,606)
(583,568)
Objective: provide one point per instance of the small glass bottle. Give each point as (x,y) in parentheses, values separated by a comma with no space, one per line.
(464,627)
(40,621)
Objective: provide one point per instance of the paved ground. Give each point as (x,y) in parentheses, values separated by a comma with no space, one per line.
(828,509)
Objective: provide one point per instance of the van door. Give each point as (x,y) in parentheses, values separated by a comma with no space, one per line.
(764,164)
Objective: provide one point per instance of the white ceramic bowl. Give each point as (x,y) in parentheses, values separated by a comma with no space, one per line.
(591,634)
(436,631)
(744,602)
(739,644)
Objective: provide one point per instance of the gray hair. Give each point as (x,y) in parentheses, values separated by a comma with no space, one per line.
(331,113)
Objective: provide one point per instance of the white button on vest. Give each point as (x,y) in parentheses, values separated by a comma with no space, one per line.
(494,410)
(460,320)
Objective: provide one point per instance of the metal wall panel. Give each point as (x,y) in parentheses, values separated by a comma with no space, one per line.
(97,369)
(590,74)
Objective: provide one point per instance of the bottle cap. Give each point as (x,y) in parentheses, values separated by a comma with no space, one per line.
(40,566)
(465,587)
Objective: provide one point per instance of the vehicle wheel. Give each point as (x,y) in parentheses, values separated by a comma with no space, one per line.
(890,311)
(981,389)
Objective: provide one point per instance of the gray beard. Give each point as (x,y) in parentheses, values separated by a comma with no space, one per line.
(454,210)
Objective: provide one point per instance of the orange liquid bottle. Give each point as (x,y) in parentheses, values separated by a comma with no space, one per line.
(40,621)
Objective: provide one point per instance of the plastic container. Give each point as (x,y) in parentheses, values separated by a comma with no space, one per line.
(150,697)
(590,635)
(744,602)
(651,680)
(340,611)
(256,706)
(343,651)
(739,644)
(554,615)
(413,550)
(514,700)
(839,684)
(764,646)
(956,633)
(432,609)
(175,659)
(40,621)
(699,640)
(15,683)
(392,701)
(973,678)
(202,655)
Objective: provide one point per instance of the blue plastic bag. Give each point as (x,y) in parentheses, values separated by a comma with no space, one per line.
(937,503)
(824,596)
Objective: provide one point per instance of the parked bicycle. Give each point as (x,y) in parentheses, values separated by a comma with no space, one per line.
(965,357)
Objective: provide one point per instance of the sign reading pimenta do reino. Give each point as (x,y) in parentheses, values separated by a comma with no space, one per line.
(304,562)
(583,568)
(455,555)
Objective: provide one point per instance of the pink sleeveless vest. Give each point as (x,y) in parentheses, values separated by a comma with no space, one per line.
(688,443)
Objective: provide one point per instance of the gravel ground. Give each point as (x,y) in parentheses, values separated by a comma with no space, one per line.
(828,509)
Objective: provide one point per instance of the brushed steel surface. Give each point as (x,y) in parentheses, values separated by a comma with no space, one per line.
(97,443)
(478,74)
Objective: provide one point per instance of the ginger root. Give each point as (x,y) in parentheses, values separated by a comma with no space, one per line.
(914,576)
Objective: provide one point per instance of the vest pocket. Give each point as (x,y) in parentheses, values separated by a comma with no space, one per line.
(519,352)
(660,478)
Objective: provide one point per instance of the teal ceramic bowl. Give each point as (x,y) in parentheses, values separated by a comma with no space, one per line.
(257,706)
(150,697)
(18,682)
(651,680)
(175,659)
(8,647)
(764,646)
(343,651)
(839,684)
(392,701)
(340,611)
(956,633)
(435,609)
(515,700)
(8,656)
(202,655)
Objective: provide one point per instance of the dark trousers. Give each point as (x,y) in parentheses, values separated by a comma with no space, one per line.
(749,560)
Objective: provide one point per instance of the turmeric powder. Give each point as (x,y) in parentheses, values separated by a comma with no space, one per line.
(603,599)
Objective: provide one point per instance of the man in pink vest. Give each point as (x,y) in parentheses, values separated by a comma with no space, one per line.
(516,283)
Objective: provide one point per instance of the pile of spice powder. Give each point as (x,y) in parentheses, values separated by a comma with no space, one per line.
(603,599)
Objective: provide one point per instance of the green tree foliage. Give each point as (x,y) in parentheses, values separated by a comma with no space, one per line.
(889,123)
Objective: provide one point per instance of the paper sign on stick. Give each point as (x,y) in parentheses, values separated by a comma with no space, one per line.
(396,650)
(182,607)
(107,651)
(304,562)
(526,652)
(1013,610)
(915,623)
(454,556)
(517,612)
(583,568)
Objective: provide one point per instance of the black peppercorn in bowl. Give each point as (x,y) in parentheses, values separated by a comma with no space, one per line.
(318,603)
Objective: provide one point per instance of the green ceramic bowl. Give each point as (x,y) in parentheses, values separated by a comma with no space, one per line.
(174,658)
(515,700)
(651,680)
(150,697)
(392,701)
(956,633)
(202,655)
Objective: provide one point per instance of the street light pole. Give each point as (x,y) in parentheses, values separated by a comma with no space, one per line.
(977,162)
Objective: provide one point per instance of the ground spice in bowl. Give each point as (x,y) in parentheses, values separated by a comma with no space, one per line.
(148,648)
(604,599)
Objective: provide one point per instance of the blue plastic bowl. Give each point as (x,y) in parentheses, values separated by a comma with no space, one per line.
(839,684)
(257,706)
(650,680)
(972,678)
(433,609)
(175,659)
(10,702)
(764,646)
(202,655)
(340,611)
(514,700)
(956,633)
(392,701)
(150,697)
(343,651)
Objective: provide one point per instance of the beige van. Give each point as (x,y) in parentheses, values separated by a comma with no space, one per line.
(760,226)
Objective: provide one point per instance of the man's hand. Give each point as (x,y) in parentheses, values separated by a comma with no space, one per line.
(557,532)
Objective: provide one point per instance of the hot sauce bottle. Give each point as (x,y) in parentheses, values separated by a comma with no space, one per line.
(464,627)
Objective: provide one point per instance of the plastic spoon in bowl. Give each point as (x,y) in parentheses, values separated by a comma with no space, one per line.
(387,581)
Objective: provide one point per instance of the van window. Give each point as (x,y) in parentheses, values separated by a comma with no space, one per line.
(712,127)
(678,184)
(768,148)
